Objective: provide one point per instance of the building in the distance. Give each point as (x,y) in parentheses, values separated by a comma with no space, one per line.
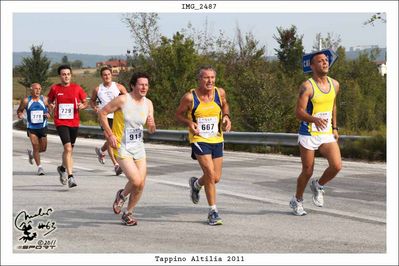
(116,65)
(362,47)
(382,67)
(380,59)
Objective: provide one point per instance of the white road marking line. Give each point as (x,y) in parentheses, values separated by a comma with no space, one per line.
(279,202)
(83,168)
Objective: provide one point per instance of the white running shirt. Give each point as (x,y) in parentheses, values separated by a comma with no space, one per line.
(106,94)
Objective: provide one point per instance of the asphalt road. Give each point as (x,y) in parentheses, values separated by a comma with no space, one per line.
(253,198)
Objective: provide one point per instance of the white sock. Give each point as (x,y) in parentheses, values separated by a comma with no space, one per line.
(197,185)
(39,166)
(318,185)
(213,208)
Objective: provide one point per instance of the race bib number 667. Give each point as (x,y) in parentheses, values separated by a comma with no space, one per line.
(208,126)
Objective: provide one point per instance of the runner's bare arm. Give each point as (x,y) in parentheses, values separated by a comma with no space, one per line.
(93,100)
(185,105)
(21,107)
(83,104)
(49,106)
(121,88)
(225,111)
(150,118)
(334,113)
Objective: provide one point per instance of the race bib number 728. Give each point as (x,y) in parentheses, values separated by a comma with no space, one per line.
(65,111)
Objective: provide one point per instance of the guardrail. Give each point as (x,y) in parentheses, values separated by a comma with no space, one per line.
(250,138)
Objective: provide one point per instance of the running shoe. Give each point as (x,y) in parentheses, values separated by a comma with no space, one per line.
(71,182)
(30,156)
(63,176)
(118,169)
(128,219)
(100,155)
(194,193)
(118,202)
(40,171)
(214,218)
(297,207)
(318,192)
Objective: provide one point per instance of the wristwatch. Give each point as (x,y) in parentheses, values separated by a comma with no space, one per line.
(335,128)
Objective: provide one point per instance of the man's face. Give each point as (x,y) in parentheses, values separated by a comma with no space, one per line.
(141,86)
(65,76)
(106,76)
(36,90)
(320,64)
(207,79)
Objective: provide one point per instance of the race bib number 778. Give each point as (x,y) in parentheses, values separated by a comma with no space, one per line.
(36,116)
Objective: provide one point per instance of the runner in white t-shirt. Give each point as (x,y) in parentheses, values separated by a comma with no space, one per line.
(103,94)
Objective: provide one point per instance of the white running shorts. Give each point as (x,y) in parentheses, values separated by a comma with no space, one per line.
(314,142)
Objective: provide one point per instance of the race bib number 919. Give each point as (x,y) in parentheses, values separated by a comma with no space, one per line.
(133,135)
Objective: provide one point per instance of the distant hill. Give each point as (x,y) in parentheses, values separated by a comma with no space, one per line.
(88,60)
(355,54)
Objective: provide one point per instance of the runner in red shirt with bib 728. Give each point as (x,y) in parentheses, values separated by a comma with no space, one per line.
(68,98)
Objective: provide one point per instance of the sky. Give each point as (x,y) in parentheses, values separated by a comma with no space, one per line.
(106,34)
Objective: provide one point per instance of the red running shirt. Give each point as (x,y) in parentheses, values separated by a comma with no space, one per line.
(66,112)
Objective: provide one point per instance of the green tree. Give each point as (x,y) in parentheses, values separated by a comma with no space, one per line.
(205,42)
(76,64)
(54,69)
(361,102)
(35,68)
(172,67)
(374,18)
(329,42)
(144,29)
(290,50)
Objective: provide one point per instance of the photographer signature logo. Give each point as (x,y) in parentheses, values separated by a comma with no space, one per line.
(35,228)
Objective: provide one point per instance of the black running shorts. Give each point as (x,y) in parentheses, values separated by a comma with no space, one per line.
(67,134)
(39,132)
